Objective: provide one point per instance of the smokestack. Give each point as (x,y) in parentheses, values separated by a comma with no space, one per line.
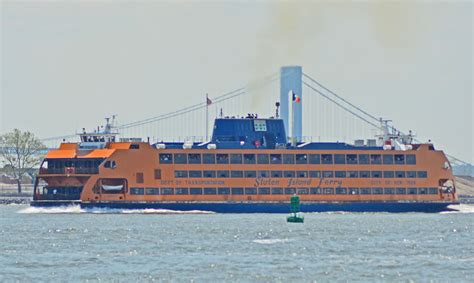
(290,79)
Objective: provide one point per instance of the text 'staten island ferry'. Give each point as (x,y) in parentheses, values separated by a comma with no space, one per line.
(249,165)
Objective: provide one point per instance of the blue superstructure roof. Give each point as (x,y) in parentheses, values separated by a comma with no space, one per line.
(254,133)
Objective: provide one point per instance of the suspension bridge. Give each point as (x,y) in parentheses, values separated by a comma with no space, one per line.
(327,115)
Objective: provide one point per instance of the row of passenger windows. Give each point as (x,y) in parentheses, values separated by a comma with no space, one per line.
(224,158)
(283,191)
(298,174)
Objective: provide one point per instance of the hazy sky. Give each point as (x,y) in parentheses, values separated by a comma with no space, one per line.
(67,64)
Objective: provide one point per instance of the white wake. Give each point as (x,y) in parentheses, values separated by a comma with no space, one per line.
(460,208)
(76,209)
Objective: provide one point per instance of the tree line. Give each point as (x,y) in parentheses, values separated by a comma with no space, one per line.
(20,152)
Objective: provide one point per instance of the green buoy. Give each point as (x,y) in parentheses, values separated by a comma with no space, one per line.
(295,216)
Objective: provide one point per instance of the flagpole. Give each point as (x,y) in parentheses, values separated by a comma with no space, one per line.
(293,122)
(207,117)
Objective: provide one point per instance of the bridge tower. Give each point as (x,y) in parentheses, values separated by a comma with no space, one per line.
(290,79)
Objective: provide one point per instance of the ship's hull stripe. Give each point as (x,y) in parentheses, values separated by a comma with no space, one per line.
(229,207)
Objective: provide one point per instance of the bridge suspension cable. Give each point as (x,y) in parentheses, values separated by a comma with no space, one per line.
(194,116)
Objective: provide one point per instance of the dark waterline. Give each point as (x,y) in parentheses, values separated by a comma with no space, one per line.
(103,245)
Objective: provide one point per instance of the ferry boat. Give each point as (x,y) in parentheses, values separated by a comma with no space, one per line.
(248,166)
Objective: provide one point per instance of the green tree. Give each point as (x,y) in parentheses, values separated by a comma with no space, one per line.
(22,152)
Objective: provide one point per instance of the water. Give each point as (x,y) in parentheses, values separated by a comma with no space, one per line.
(150,245)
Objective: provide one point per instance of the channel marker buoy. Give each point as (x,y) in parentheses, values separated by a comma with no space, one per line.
(295,216)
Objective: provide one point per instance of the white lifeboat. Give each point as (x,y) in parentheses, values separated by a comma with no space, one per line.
(112,188)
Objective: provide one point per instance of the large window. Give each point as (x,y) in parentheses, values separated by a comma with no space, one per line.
(302,191)
(328,191)
(377,191)
(181,174)
(376,174)
(316,191)
(250,191)
(422,191)
(250,174)
(363,159)
(275,158)
(351,158)
(399,159)
(249,158)
(277,191)
(152,191)
(400,174)
(288,159)
(326,158)
(236,174)
(388,174)
(209,174)
(339,158)
(365,191)
(195,174)
(264,174)
(364,174)
(353,174)
(340,174)
(411,159)
(167,191)
(315,174)
(195,191)
(223,191)
(180,158)
(302,174)
(289,174)
(237,191)
(375,159)
(411,174)
(137,191)
(314,159)
(401,191)
(389,191)
(236,158)
(412,191)
(208,158)
(182,191)
(422,174)
(387,159)
(290,191)
(328,174)
(223,174)
(276,174)
(262,159)
(210,191)
(341,191)
(301,158)
(263,191)
(194,158)
(166,158)
(353,191)
(222,158)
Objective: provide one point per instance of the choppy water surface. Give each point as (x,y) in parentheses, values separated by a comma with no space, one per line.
(111,245)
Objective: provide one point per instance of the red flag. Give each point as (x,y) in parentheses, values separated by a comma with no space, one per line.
(296,98)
